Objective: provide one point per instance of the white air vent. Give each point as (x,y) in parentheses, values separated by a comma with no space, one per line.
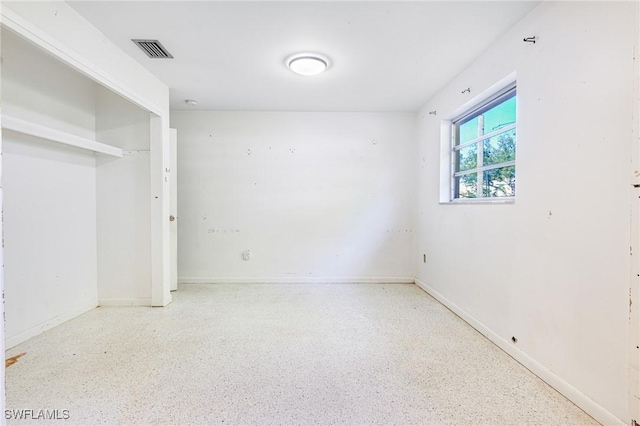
(152,48)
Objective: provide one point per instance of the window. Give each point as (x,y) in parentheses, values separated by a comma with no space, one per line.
(484,149)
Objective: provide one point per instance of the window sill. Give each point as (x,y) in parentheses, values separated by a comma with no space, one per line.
(510,200)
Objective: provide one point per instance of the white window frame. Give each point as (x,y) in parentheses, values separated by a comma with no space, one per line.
(453,133)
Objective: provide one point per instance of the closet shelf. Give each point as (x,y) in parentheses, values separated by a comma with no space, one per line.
(37,130)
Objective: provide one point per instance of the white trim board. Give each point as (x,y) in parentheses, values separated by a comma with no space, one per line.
(12,341)
(133,301)
(570,392)
(295,280)
(32,129)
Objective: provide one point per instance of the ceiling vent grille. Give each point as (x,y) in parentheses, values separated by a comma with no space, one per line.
(152,48)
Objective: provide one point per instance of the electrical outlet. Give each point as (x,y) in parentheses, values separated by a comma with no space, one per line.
(246,255)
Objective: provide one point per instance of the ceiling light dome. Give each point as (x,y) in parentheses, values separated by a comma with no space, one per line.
(307,63)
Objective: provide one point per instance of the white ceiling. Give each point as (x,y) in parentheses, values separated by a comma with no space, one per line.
(386,56)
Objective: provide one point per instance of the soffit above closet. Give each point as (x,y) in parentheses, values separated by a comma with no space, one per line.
(385,56)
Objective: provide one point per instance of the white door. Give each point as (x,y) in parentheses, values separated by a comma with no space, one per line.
(173,209)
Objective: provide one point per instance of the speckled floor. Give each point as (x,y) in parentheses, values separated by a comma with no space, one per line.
(280,354)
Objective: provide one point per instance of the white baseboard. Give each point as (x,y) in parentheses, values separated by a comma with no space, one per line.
(574,395)
(12,341)
(295,280)
(133,301)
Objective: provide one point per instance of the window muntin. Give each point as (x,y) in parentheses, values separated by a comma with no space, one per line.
(484,149)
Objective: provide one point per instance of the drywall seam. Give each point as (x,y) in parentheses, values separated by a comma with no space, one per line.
(48,325)
(133,301)
(295,280)
(570,392)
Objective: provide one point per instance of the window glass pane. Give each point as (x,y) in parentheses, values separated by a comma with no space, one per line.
(468,131)
(499,182)
(467,158)
(500,148)
(500,115)
(467,186)
(492,116)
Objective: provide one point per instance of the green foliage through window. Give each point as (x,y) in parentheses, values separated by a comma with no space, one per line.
(485,167)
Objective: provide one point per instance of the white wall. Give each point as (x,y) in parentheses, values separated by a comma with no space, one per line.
(2,310)
(313,196)
(50,235)
(49,195)
(123,194)
(124,230)
(553,268)
(40,89)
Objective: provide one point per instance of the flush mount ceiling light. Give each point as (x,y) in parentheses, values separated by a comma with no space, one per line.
(307,63)
(191,102)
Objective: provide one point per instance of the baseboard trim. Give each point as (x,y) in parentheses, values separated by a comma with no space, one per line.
(22,337)
(589,406)
(132,301)
(295,280)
